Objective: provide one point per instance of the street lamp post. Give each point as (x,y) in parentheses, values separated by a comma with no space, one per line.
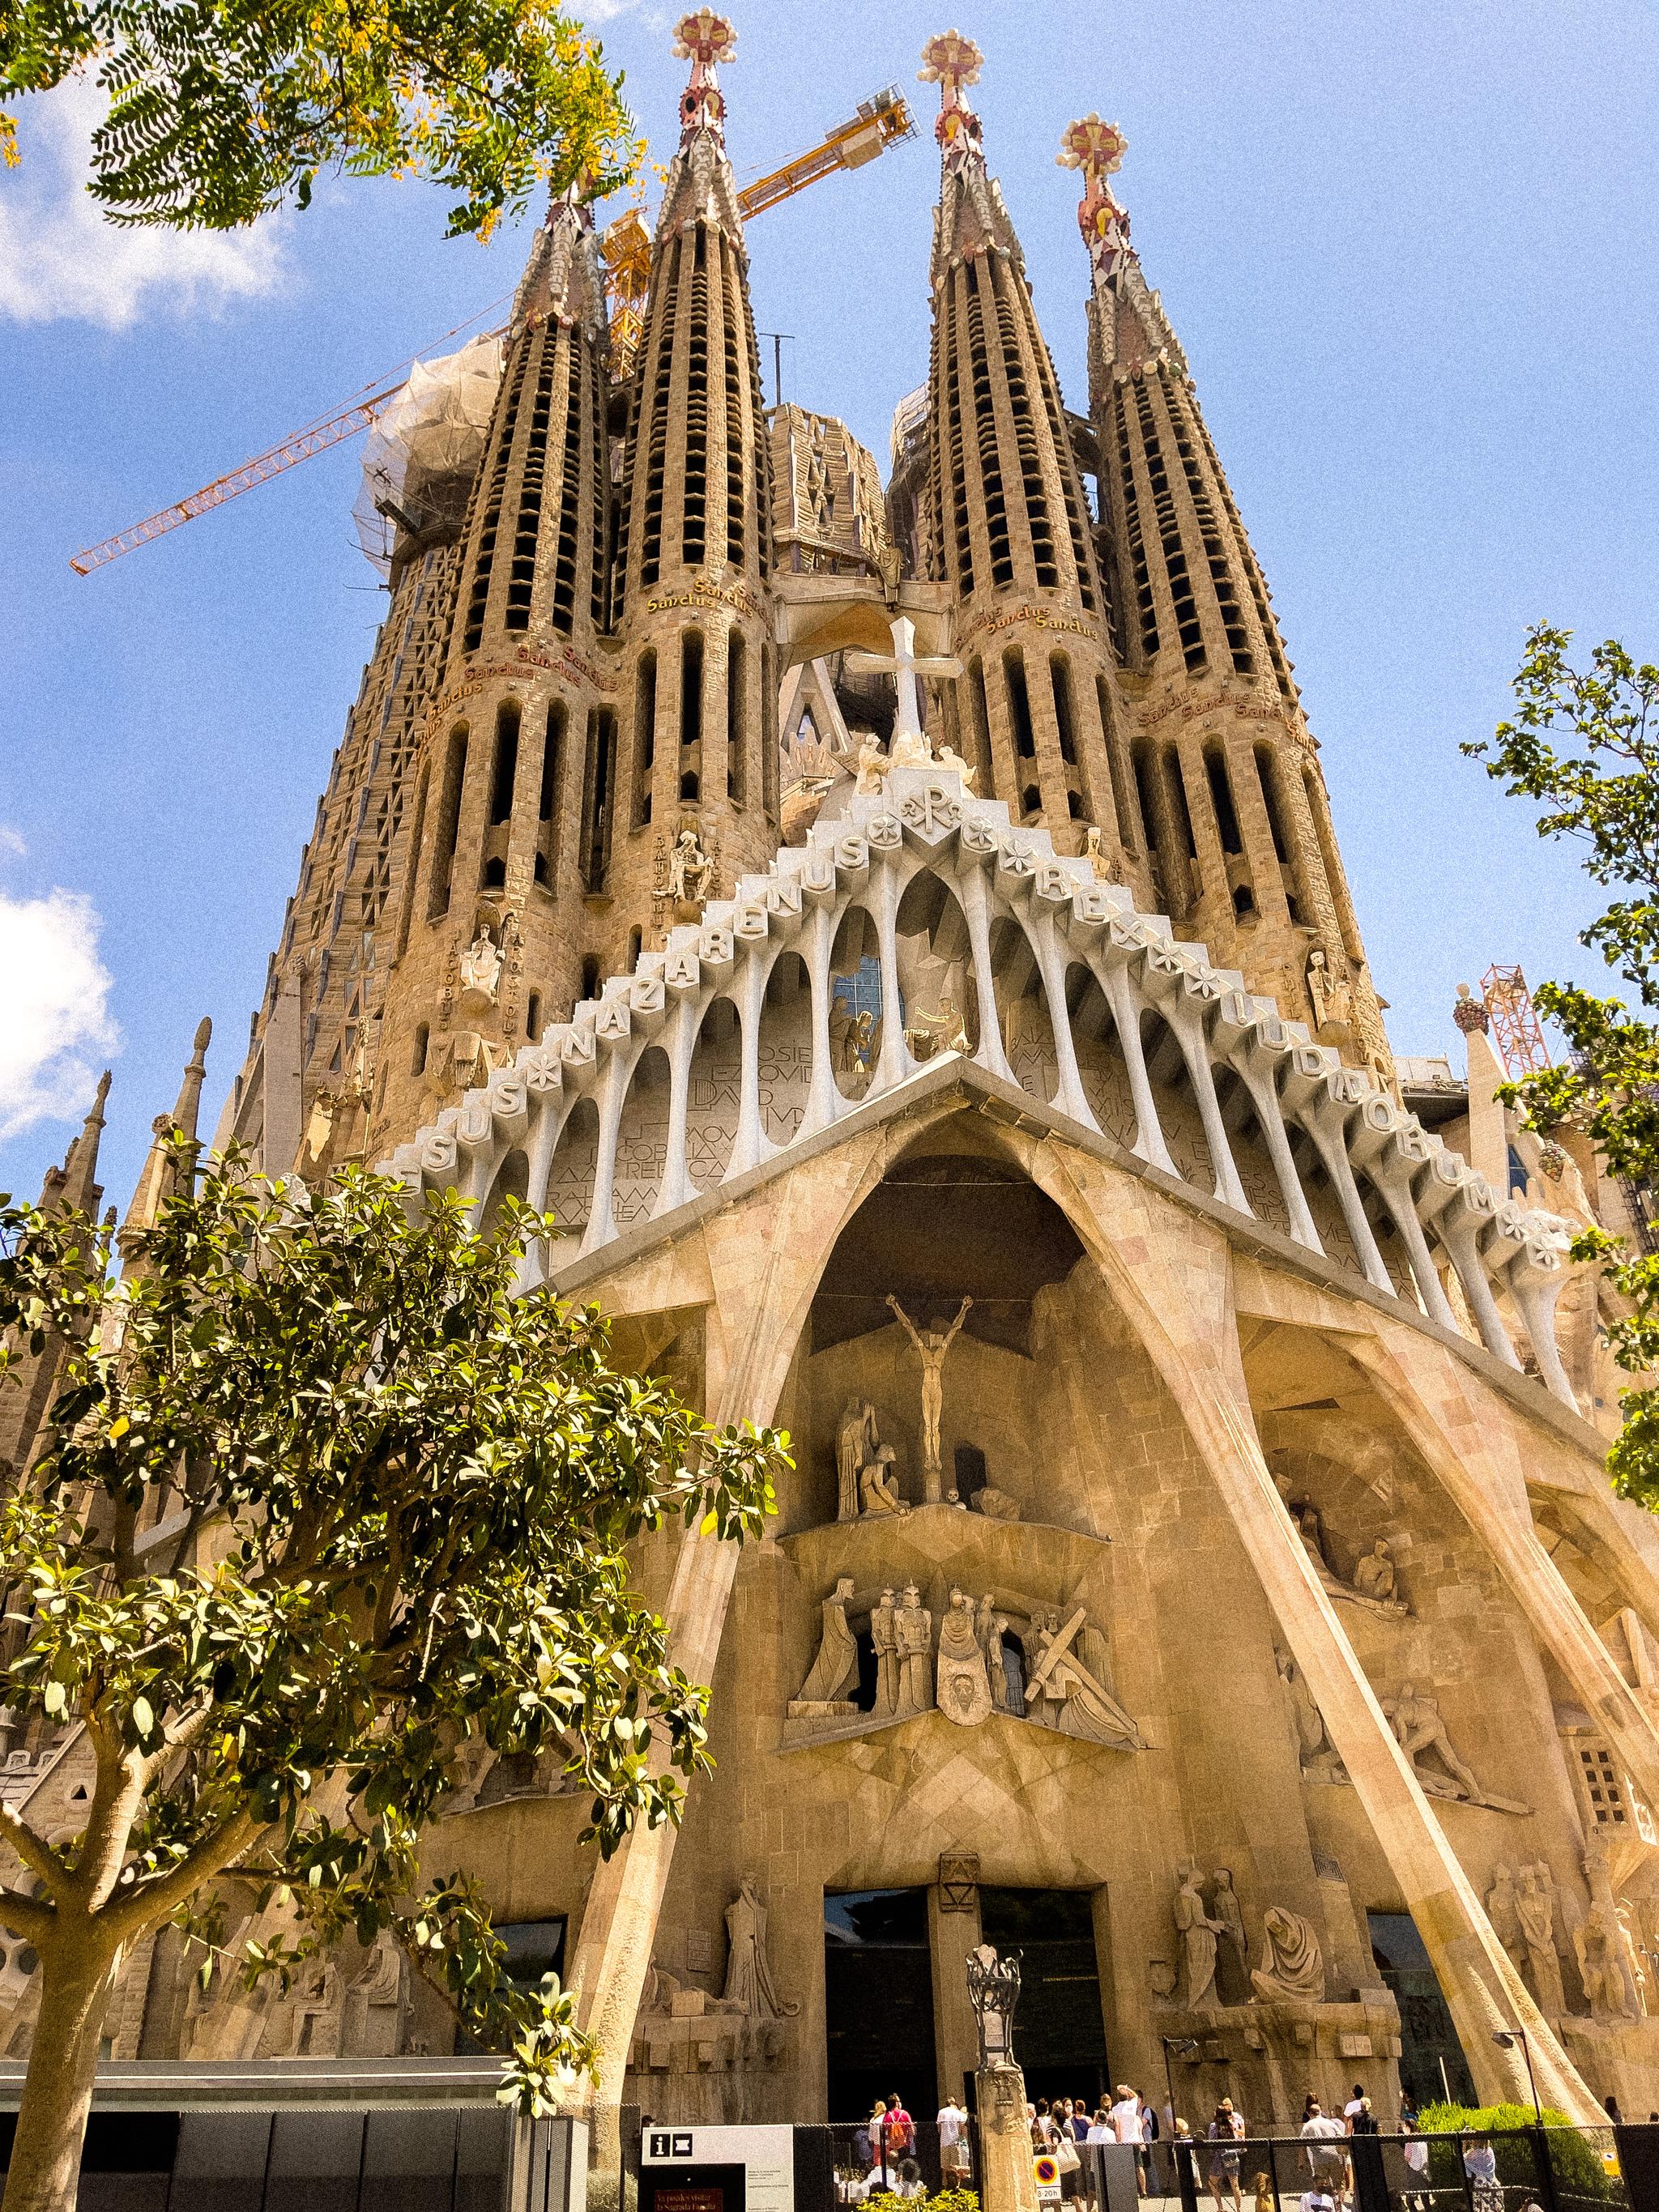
(1506,2039)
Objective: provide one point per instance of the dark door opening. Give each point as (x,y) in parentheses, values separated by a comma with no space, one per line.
(1432,2067)
(878,2002)
(1059,2030)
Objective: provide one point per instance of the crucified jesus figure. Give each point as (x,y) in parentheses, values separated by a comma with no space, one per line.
(930,1346)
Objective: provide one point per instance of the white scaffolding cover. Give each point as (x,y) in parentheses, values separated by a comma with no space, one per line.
(421,454)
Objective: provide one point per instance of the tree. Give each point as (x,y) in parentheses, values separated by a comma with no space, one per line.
(1585,745)
(322,1502)
(221,110)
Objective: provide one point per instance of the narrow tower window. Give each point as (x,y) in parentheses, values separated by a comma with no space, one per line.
(1019,704)
(1130,826)
(595,825)
(979,714)
(417,1057)
(691,688)
(448,823)
(1059,676)
(521,576)
(507,762)
(552,750)
(564,566)
(1183,812)
(533,1019)
(1221,798)
(645,734)
(736,731)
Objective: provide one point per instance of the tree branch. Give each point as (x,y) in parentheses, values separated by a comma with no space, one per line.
(141,1904)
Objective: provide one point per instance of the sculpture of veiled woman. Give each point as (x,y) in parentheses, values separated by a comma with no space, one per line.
(1292,1964)
(836,1667)
(961,1686)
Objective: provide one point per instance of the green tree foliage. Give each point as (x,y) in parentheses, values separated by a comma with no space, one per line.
(1584,747)
(322,1500)
(221,110)
(1575,2159)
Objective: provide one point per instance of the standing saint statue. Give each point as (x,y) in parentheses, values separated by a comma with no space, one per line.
(1196,1933)
(749,1985)
(930,1347)
(883,1636)
(916,1652)
(855,1442)
(835,1669)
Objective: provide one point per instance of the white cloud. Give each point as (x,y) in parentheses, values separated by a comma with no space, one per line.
(54,1011)
(59,260)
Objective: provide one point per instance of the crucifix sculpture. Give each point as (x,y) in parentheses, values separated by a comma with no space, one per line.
(930,1347)
(910,747)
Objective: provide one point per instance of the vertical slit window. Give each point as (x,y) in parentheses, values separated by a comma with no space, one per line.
(1221,798)
(736,412)
(526,536)
(412,862)
(533,1019)
(769,760)
(1060,677)
(1025,438)
(691,688)
(985,423)
(598,487)
(564,564)
(1134,535)
(645,734)
(507,762)
(448,823)
(596,826)
(1019,704)
(546,829)
(1131,829)
(665,300)
(418,1056)
(736,721)
(1176,569)
(951,343)
(980,715)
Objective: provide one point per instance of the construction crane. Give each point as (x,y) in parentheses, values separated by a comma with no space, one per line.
(1515,1029)
(882,121)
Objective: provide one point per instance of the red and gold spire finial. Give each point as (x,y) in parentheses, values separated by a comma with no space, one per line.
(703,39)
(1097,149)
(951,61)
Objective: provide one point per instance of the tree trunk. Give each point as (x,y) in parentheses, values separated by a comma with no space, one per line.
(52,2119)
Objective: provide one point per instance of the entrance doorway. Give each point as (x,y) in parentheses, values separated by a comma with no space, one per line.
(1433,2068)
(878,2002)
(1059,2029)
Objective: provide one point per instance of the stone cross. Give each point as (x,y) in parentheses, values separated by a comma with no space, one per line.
(906,664)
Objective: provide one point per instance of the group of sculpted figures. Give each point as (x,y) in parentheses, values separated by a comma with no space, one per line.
(1291,1969)
(981,1660)
(1417,1726)
(1535,1922)
(1375,1584)
(867,1480)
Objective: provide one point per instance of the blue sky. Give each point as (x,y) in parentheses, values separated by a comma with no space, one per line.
(1411,250)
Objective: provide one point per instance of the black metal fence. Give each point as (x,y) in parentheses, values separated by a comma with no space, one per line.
(1518,2170)
(867,2159)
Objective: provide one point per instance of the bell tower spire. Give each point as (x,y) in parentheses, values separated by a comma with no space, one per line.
(1009,523)
(1231,801)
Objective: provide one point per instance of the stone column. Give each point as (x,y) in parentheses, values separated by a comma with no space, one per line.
(950,1937)
(1007,2181)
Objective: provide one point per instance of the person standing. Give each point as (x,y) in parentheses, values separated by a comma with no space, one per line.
(1149,2154)
(1328,2166)
(1353,2105)
(901,2130)
(953,2143)
(1226,2132)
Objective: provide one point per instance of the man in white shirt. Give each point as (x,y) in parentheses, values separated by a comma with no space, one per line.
(1327,2163)
(1355,2104)
(1126,2125)
(952,2138)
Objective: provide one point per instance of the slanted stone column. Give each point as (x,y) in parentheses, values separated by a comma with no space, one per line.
(1171,1279)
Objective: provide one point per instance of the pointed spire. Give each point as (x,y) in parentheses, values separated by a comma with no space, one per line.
(156,1182)
(970,218)
(699,186)
(76,1183)
(1128,322)
(563,281)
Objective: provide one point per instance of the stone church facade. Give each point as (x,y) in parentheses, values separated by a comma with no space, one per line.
(901,937)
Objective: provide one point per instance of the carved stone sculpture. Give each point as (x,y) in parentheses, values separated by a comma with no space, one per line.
(1195,1933)
(749,1985)
(930,1347)
(1320,1762)
(1375,1580)
(375,2006)
(836,1669)
(689,868)
(916,1652)
(884,1635)
(480,968)
(994,1505)
(1420,1733)
(963,1689)
(949,757)
(1620,1990)
(988,1624)
(1071,1697)
(1374,1585)
(877,1487)
(1293,1968)
(873,765)
(1503,1910)
(1229,1914)
(856,1441)
(1331,996)
(1535,1908)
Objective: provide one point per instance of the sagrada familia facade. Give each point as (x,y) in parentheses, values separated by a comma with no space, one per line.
(901,935)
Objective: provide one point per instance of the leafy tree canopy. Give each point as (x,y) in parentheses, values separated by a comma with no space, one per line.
(221,110)
(322,1500)
(1584,747)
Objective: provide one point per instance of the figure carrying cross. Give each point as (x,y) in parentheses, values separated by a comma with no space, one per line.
(910,747)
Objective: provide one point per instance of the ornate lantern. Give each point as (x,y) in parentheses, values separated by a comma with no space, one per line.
(994,1992)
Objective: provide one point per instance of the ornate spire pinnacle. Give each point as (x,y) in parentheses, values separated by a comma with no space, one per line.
(1097,149)
(563,281)
(951,61)
(156,1181)
(190,1088)
(703,39)
(699,187)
